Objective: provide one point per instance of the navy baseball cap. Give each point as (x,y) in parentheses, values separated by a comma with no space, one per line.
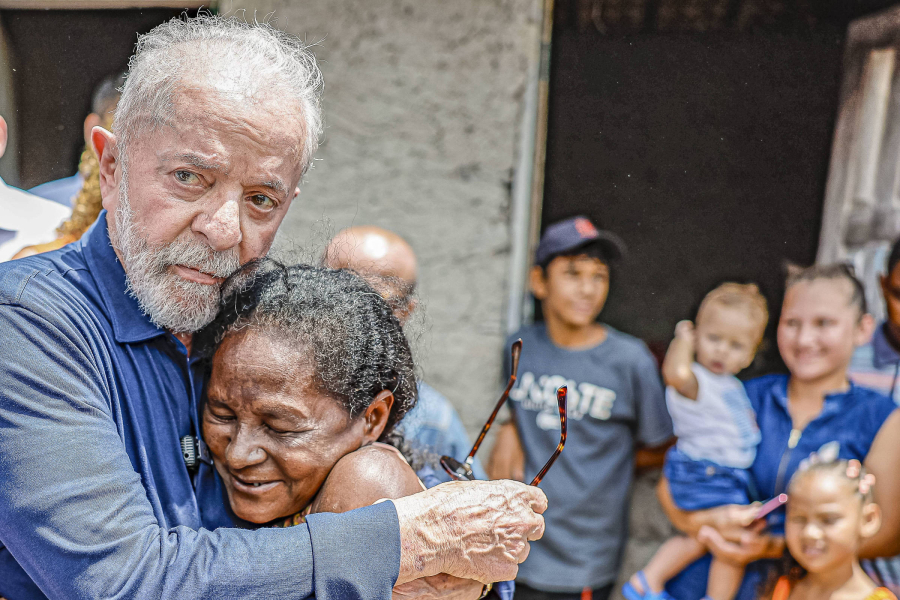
(571,234)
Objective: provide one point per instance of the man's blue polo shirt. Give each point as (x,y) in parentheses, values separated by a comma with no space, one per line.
(851,418)
(95,498)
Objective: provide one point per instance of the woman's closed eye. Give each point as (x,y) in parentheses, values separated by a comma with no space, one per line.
(286,430)
(278,431)
(220,416)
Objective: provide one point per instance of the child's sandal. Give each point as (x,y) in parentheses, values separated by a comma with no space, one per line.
(631,593)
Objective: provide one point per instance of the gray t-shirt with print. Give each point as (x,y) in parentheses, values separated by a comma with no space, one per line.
(615,402)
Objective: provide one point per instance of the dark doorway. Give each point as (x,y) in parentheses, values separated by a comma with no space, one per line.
(59,56)
(704,146)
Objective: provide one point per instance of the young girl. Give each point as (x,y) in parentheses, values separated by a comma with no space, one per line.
(715,426)
(830,513)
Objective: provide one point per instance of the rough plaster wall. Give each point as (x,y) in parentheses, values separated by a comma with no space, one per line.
(423,102)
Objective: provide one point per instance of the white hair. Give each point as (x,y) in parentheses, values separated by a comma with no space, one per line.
(254,56)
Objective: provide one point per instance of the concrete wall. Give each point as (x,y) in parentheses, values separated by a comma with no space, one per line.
(423,101)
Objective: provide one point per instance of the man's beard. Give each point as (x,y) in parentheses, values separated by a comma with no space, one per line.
(171,302)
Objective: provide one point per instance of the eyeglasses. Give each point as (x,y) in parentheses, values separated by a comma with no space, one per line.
(462,471)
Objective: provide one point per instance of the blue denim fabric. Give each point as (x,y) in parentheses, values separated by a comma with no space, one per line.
(851,418)
(434,425)
(700,484)
(95,499)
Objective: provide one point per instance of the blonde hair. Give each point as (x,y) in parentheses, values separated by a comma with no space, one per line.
(739,295)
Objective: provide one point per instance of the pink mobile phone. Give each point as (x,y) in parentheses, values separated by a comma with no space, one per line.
(771,505)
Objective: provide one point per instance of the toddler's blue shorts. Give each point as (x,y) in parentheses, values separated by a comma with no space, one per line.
(701,484)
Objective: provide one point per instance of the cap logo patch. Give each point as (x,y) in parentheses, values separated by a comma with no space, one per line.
(585,228)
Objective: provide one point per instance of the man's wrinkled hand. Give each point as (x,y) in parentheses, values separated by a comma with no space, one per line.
(473,530)
(439,587)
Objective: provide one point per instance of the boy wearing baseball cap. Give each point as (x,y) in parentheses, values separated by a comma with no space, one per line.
(615,403)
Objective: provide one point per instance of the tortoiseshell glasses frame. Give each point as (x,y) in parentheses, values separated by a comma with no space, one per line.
(462,471)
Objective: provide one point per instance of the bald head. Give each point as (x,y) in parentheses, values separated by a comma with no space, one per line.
(372,251)
(380,256)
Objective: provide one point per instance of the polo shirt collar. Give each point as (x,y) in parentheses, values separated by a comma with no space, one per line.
(884,354)
(130,325)
(834,402)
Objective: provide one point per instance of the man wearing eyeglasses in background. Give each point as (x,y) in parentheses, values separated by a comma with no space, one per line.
(615,403)
(877,365)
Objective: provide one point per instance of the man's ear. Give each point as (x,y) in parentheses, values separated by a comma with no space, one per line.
(91,121)
(864,330)
(376,416)
(537,281)
(871,520)
(104,143)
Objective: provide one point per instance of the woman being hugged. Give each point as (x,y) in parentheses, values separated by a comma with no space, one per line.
(310,373)
(823,319)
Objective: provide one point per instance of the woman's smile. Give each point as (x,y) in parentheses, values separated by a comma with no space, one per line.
(253,485)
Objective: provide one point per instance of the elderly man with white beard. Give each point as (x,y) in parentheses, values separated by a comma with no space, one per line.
(217,123)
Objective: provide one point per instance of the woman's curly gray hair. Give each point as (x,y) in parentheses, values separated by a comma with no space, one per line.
(356,344)
(182,51)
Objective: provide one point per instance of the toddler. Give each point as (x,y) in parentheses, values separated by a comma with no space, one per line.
(829,514)
(715,425)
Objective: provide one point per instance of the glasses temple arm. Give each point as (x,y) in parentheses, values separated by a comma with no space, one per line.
(515,351)
(471,457)
(561,394)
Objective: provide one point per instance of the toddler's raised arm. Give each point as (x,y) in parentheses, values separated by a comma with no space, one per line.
(676,367)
